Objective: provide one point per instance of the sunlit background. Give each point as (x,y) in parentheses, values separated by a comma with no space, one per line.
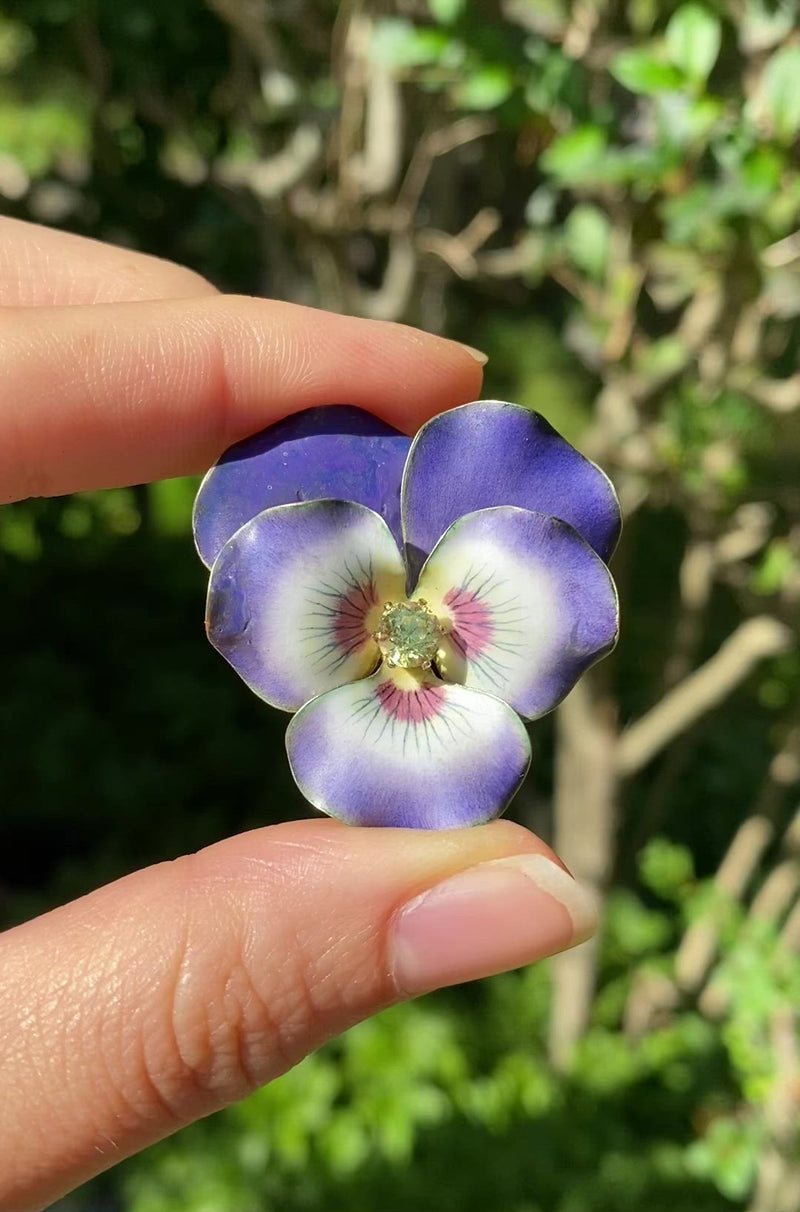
(605,196)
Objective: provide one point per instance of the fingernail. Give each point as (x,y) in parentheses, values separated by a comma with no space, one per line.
(477,354)
(490,918)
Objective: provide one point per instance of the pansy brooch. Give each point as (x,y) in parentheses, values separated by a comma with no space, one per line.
(412,602)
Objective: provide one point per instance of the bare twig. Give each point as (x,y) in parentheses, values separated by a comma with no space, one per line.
(698,947)
(698,321)
(510,262)
(275,175)
(748,533)
(703,559)
(753,641)
(782,252)
(695,956)
(390,300)
(585,821)
(779,395)
(377,167)
(777,892)
(778,1184)
(582,25)
(458,251)
(351,39)
(250,20)
(791,930)
(696,579)
(652,997)
(437,143)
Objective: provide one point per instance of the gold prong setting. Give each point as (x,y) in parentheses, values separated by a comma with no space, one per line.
(408,634)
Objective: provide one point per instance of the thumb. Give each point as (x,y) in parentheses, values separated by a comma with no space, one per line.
(162,997)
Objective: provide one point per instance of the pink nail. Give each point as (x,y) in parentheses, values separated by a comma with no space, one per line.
(498,915)
(477,354)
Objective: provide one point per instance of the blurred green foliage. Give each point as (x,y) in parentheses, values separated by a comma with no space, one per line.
(634,166)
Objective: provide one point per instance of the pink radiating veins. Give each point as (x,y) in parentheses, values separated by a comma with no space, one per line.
(350,615)
(472,622)
(410,705)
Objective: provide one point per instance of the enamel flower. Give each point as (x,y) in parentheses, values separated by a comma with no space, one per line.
(412,602)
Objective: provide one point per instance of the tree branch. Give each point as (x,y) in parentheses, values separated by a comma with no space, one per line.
(437,143)
(274,175)
(753,641)
(698,947)
(377,166)
(390,300)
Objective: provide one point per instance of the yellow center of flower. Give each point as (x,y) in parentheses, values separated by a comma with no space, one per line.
(408,634)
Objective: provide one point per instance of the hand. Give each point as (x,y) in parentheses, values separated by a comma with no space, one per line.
(170,993)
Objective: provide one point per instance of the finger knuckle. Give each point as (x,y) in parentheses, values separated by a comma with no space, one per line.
(233,1015)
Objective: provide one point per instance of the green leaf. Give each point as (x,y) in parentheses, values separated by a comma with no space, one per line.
(762,170)
(632,929)
(691,217)
(547,81)
(541,206)
(728,1155)
(776,566)
(642,15)
(587,234)
(702,115)
(666,868)
(661,356)
(37,133)
(605,1062)
(577,156)
(19,535)
(398,43)
(170,503)
(780,93)
(693,38)
(16,41)
(446,11)
(642,72)
(484,89)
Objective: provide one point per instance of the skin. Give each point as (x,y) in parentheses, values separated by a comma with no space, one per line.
(164,996)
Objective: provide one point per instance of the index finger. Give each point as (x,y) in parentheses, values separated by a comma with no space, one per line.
(94,397)
(44,267)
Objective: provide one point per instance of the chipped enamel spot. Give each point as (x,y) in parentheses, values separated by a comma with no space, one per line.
(408,635)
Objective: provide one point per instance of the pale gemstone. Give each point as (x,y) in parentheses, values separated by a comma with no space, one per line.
(408,634)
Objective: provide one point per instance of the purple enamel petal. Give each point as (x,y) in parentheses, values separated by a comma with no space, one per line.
(406,751)
(335,452)
(492,453)
(295,595)
(528,604)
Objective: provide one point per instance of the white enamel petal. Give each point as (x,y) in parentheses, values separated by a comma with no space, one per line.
(295,594)
(401,748)
(529,605)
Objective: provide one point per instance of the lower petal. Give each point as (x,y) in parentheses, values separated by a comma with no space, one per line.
(403,749)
